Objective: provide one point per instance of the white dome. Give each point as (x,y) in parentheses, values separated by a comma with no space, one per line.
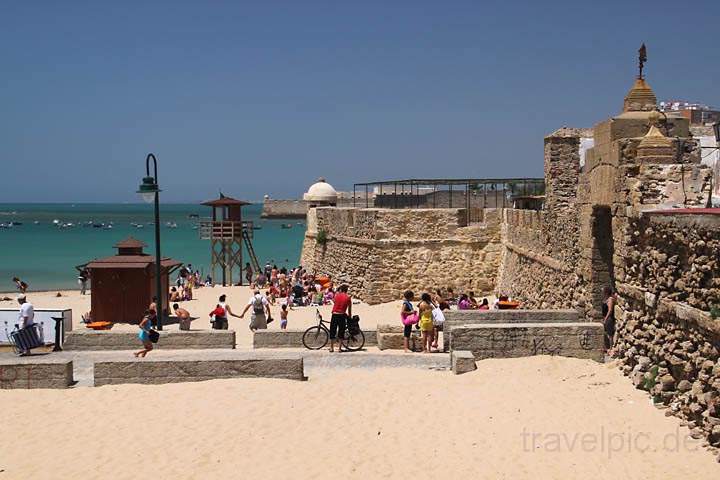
(321,192)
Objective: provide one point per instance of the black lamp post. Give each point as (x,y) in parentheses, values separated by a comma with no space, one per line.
(149,191)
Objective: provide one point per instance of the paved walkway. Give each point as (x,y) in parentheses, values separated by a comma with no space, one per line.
(315,362)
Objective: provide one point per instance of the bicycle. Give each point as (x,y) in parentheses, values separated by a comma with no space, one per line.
(318,336)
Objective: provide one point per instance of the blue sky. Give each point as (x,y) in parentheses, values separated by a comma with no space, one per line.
(264,97)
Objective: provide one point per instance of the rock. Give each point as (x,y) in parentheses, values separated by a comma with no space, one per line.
(643,363)
(667,383)
(684,386)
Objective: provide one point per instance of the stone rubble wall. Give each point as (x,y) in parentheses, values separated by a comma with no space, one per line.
(381,253)
(668,343)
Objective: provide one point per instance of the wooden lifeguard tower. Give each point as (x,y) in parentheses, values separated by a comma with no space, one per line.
(227,233)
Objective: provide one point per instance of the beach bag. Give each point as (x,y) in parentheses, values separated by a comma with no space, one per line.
(438,316)
(353,325)
(411,319)
(154,336)
(258,308)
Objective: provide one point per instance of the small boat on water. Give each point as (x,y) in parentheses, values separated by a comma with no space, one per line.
(15,224)
(286,225)
(36,222)
(171,225)
(6,225)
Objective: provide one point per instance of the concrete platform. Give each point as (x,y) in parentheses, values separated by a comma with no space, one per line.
(169,340)
(482,317)
(508,340)
(174,367)
(35,371)
(292,338)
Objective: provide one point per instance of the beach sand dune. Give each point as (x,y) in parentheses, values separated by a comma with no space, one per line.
(539,417)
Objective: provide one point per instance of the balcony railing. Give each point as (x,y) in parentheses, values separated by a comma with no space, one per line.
(224,230)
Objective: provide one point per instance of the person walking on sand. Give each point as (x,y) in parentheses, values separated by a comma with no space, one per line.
(248,273)
(20,285)
(144,334)
(425,309)
(608,312)
(221,321)
(26,317)
(341,311)
(83,279)
(284,316)
(260,313)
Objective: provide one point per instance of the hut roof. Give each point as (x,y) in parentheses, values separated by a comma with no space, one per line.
(130,242)
(225,201)
(131,261)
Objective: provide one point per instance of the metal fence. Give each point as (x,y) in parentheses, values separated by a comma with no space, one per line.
(472,194)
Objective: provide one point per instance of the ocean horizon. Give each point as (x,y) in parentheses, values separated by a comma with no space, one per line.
(48,240)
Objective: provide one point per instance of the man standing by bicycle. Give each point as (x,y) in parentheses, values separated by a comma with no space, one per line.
(341,311)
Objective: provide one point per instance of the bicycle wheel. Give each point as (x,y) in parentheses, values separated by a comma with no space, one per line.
(354,342)
(315,338)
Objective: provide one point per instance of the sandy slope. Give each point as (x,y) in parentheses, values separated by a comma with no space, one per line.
(355,424)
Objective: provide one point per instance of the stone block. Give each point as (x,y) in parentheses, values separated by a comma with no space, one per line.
(195,368)
(579,340)
(462,361)
(472,317)
(292,338)
(390,337)
(35,372)
(169,340)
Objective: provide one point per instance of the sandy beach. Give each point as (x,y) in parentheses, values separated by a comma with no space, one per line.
(539,417)
(205,300)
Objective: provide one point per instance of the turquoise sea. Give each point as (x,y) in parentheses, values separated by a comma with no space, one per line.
(44,254)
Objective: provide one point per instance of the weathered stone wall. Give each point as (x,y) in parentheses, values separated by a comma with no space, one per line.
(284,208)
(668,343)
(383,252)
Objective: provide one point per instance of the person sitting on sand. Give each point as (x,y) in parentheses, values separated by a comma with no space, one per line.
(183,317)
(144,334)
(20,285)
(464,303)
(174,295)
(450,297)
(484,305)
(473,301)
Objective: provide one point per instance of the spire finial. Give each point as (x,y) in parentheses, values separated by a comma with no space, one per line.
(642,58)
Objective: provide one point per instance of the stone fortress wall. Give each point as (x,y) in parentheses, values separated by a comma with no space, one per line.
(615,219)
(381,253)
(273,208)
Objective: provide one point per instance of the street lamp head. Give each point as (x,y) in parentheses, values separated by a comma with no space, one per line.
(148,189)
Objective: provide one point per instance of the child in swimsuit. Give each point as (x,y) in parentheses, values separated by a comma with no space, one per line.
(283,317)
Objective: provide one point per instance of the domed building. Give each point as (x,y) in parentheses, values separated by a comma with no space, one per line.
(321,194)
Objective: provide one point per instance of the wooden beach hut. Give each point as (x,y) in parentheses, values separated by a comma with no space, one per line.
(123,285)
